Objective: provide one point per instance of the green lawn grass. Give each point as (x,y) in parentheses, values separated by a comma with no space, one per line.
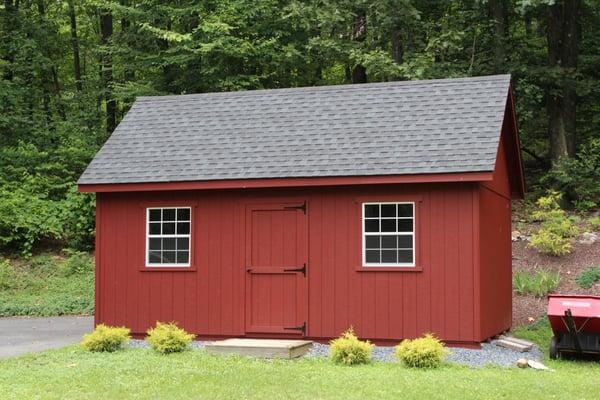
(47,285)
(72,373)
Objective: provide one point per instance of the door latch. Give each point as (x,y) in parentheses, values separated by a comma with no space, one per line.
(300,269)
(301,328)
(298,207)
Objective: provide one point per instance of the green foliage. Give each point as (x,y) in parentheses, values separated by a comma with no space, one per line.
(349,350)
(595,222)
(7,278)
(78,262)
(424,352)
(538,284)
(39,287)
(168,338)
(556,230)
(579,177)
(78,216)
(589,277)
(106,338)
(26,217)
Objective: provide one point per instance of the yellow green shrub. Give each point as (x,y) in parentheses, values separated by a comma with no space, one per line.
(556,230)
(424,352)
(349,350)
(168,338)
(106,338)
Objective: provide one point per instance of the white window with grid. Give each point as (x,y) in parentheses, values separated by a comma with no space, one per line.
(388,234)
(168,236)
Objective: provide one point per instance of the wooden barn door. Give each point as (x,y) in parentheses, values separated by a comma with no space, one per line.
(276,269)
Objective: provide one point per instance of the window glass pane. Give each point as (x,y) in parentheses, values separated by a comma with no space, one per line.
(183,214)
(168,214)
(183,228)
(183,243)
(388,242)
(372,242)
(405,256)
(182,257)
(388,225)
(168,228)
(154,244)
(154,229)
(168,257)
(388,210)
(371,210)
(372,256)
(405,225)
(405,210)
(388,256)
(405,242)
(168,244)
(154,257)
(155,215)
(371,225)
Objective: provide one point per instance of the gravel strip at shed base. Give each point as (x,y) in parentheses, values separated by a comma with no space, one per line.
(489,354)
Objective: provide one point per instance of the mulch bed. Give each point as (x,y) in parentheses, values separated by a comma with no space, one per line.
(582,256)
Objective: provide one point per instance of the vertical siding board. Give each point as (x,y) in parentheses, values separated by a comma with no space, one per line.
(451,250)
(355,259)
(466,263)
(437,262)
(341,265)
(315,269)
(328,288)
(423,293)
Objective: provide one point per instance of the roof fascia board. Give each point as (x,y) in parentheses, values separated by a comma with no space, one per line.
(287,182)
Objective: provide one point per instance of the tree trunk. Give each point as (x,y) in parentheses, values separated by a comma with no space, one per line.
(563,35)
(570,53)
(498,16)
(75,45)
(359,33)
(106,31)
(397,45)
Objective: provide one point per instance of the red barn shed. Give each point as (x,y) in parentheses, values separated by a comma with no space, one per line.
(301,212)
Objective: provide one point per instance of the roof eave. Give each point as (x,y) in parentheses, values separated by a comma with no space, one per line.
(481,176)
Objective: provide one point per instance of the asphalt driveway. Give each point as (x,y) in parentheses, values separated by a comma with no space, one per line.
(24,335)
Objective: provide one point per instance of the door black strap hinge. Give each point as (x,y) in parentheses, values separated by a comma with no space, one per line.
(300,269)
(298,207)
(301,328)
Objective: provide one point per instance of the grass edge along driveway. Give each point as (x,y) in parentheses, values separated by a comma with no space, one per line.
(72,373)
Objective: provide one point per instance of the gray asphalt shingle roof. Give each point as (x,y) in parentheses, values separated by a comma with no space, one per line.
(392,128)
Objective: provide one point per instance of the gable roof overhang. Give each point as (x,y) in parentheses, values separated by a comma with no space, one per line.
(288,182)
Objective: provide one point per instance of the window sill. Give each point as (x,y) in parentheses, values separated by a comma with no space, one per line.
(168,269)
(417,268)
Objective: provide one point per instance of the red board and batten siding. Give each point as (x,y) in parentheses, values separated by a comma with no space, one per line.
(209,298)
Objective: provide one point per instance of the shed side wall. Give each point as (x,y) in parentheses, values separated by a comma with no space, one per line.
(379,305)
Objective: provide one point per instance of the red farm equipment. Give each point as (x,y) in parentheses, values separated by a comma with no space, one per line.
(575,321)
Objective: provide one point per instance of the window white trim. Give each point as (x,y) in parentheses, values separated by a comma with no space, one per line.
(161,236)
(395,233)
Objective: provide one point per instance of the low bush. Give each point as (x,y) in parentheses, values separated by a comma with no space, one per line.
(7,275)
(556,230)
(424,352)
(589,277)
(538,284)
(168,338)
(106,338)
(349,350)
(77,262)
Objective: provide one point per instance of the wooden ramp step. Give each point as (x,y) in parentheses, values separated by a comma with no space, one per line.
(265,348)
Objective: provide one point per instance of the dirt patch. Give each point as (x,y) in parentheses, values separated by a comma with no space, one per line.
(582,256)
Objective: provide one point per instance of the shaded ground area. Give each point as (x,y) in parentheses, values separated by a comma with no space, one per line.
(25,335)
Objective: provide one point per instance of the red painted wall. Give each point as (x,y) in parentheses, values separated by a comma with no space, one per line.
(443,297)
(496,249)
